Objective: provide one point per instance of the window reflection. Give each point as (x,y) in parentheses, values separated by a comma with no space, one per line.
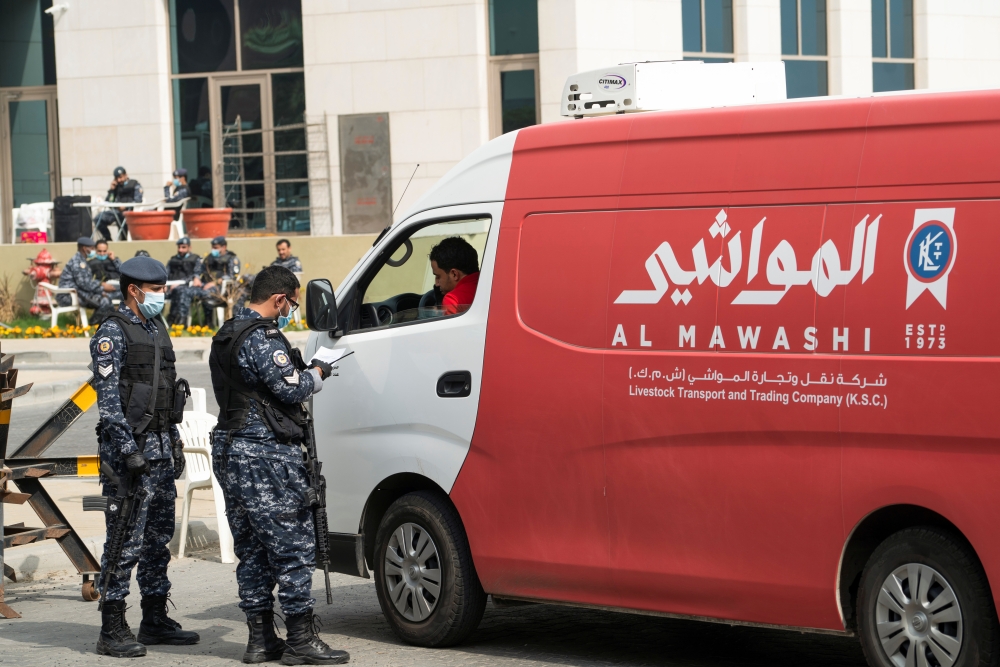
(202,36)
(271,33)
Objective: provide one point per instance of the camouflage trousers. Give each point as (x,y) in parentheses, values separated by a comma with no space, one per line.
(180,301)
(272,531)
(87,299)
(147,545)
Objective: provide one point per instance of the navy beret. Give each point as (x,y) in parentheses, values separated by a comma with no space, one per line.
(145,269)
(85,240)
(180,172)
(183,241)
(219,240)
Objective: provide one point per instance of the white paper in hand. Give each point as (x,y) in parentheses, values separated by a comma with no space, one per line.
(330,355)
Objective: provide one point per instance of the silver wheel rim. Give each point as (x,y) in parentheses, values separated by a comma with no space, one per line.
(918,618)
(413,572)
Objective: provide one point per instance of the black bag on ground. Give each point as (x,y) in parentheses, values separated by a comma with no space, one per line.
(71,222)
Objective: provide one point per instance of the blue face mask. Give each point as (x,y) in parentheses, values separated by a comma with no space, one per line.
(102,256)
(215,253)
(153,305)
(177,183)
(91,255)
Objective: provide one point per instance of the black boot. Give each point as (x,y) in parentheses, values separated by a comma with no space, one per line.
(264,645)
(116,637)
(158,628)
(304,647)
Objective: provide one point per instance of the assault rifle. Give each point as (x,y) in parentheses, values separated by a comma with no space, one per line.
(316,498)
(124,506)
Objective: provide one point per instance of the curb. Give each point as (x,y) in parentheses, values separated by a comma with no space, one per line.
(83,356)
(50,392)
(34,562)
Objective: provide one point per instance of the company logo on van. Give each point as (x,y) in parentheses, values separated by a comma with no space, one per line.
(929,254)
(612,82)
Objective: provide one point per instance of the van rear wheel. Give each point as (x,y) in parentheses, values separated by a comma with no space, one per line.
(924,601)
(424,576)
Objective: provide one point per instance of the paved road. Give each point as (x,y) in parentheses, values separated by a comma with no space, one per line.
(80,438)
(58,629)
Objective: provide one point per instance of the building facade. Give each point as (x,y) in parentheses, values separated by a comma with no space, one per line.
(312,116)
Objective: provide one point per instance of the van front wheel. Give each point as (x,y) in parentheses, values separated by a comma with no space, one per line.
(426,583)
(924,601)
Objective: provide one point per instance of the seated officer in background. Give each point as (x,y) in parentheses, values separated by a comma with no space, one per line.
(285,257)
(103,263)
(123,190)
(260,382)
(180,190)
(219,265)
(455,264)
(186,266)
(123,351)
(90,292)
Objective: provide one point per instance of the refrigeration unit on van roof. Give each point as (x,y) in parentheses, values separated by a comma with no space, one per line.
(676,84)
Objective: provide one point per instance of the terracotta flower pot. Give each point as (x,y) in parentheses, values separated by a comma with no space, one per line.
(149,225)
(207,223)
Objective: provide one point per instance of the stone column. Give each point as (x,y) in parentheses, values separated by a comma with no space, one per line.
(757,30)
(850,46)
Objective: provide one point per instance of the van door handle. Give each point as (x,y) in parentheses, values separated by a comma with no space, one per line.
(455,384)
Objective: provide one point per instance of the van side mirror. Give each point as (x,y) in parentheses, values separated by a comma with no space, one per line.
(321,305)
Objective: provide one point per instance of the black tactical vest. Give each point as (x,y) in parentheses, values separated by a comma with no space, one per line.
(216,266)
(234,395)
(136,379)
(181,268)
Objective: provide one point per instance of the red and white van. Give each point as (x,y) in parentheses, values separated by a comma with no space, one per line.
(736,364)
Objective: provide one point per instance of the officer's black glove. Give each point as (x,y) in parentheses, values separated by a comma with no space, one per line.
(137,465)
(324,367)
(179,462)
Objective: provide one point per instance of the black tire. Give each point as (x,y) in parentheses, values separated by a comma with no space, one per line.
(950,558)
(460,604)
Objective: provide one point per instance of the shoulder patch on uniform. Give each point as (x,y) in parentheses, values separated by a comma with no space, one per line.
(280,358)
(272,333)
(104,345)
(293,378)
(105,371)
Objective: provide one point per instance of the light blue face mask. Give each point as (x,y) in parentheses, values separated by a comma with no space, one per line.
(215,253)
(91,255)
(283,320)
(177,182)
(153,305)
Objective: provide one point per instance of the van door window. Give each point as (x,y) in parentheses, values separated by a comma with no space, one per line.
(430,274)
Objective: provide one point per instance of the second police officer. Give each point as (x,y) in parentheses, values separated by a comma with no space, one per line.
(260,382)
(185,266)
(124,352)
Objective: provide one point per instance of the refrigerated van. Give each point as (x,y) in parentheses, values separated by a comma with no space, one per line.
(737,365)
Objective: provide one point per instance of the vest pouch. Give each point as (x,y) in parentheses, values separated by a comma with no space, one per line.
(285,430)
(138,402)
(181,392)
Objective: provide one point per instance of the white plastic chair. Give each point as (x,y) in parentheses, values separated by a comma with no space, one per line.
(297,315)
(198,403)
(196,432)
(50,292)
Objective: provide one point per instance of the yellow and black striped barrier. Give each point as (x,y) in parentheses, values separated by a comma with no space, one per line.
(60,421)
(66,466)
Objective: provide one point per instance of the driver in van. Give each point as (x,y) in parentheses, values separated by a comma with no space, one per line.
(455,264)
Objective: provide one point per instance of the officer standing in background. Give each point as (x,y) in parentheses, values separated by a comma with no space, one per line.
(260,382)
(123,190)
(285,257)
(124,352)
(91,292)
(186,266)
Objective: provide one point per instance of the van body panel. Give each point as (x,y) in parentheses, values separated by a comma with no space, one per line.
(717,340)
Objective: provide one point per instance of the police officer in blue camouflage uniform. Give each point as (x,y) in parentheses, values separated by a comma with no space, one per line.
(260,382)
(286,258)
(124,355)
(186,266)
(219,265)
(77,274)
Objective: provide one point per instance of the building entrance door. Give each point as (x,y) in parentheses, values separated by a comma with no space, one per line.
(244,152)
(29,152)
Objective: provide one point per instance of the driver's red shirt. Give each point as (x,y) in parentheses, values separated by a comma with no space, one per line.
(462,295)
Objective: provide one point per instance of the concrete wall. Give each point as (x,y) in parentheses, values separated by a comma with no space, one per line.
(957,44)
(423,63)
(113,65)
(330,257)
(849,40)
(580,35)
(757,30)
